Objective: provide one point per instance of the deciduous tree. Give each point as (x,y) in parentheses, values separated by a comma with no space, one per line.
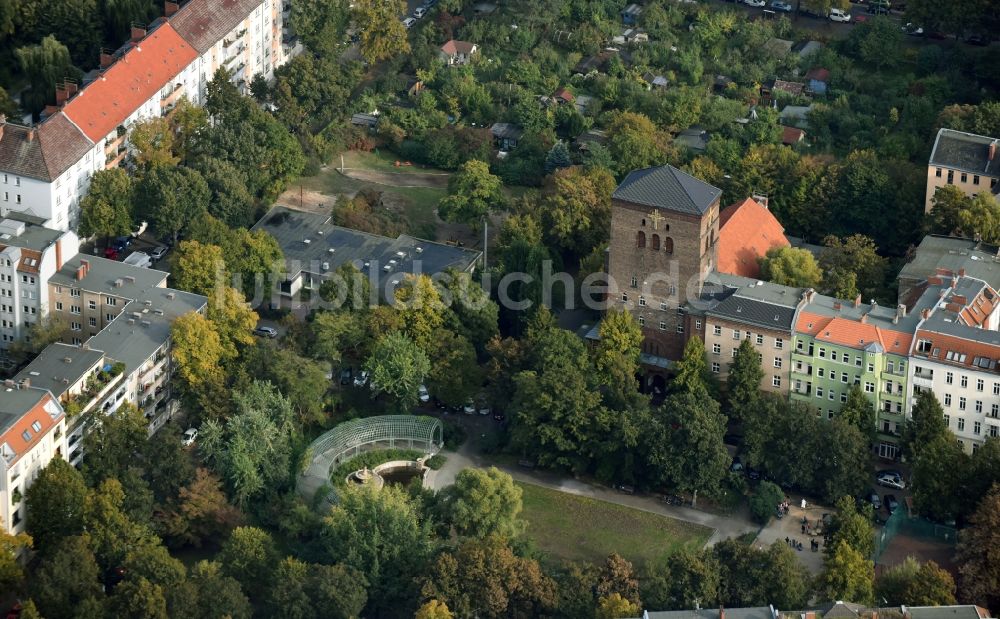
(55,505)
(384,35)
(979,565)
(67,579)
(249,556)
(170,197)
(473,193)
(106,210)
(847,575)
(915,583)
(484,502)
(397,366)
(743,382)
(791,266)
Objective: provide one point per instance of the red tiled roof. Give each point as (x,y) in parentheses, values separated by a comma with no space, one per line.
(852,333)
(820,75)
(53,147)
(791,135)
(747,231)
(141,72)
(453,47)
(203,23)
(14,435)
(563,94)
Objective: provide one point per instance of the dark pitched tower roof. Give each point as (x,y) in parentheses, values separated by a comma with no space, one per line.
(668,188)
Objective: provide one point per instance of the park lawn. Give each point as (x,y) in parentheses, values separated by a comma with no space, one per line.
(571,527)
(382,160)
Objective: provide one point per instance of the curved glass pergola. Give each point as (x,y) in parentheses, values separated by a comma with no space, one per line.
(352,437)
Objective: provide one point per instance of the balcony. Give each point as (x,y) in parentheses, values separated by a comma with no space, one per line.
(923,380)
(113,147)
(170,100)
(113,160)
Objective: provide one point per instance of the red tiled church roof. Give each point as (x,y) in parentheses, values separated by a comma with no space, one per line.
(141,72)
(747,230)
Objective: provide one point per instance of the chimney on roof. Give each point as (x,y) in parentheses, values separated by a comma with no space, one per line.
(900,311)
(836,305)
(722,612)
(857,301)
(169,8)
(961,272)
(59,261)
(809,295)
(864,319)
(61,95)
(31,134)
(137,34)
(761,199)
(106,60)
(925,313)
(993,150)
(25,383)
(71,88)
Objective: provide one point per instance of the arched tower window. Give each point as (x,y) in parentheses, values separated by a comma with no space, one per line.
(668,245)
(655,242)
(640,239)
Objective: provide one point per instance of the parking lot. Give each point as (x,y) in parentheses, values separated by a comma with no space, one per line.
(144,243)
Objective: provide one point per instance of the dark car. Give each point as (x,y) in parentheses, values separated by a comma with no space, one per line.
(891,503)
(736,466)
(753,473)
(122,243)
(872,497)
(345,376)
(977,39)
(269,332)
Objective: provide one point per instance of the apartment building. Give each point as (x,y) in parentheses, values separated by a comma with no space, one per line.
(965,160)
(32,433)
(46,170)
(245,39)
(840,344)
(90,292)
(79,377)
(761,312)
(29,255)
(955,353)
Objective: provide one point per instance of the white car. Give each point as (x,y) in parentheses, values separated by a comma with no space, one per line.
(840,15)
(469,408)
(780,5)
(189,436)
(419,12)
(408,22)
(361,379)
(891,480)
(756,3)
(423,395)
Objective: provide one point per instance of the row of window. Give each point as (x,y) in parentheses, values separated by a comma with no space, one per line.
(17,180)
(963,176)
(962,402)
(779,343)
(977,426)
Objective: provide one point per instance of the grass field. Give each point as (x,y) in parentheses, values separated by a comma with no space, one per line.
(420,202)
(567,526)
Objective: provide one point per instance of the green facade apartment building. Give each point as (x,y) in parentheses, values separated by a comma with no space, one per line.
(839,344)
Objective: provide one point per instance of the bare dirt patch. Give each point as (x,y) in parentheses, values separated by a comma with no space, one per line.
(399,179)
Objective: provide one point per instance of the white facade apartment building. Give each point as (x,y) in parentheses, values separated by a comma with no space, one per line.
(29,255)
(46,170)
(32,433)
(956,354)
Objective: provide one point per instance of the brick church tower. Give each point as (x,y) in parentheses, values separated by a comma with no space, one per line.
(664,230)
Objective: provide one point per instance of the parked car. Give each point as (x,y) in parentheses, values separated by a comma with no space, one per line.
(891,503)
(139,229)
(158,252)
(737,465)
(977,39)
(913,30)
(139,259)
(872,497)
(625,488)
(269,332)
(755,3)
(361,379)
(753,473)
(408,22)
(345,376)
(425,397)
(891,479)
(878,7)
(779,5)
(484,409)
(189,436)
(111,253)
(419,12)
(122,243)
(840,16)
(469,408)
